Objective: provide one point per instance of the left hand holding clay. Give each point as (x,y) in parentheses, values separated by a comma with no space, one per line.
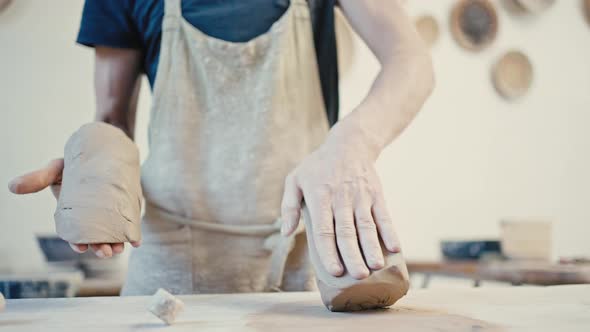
(343,192)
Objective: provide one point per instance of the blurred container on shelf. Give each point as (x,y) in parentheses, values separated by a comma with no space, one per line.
(470,249)
(526,238)
(53,283)
(59,254)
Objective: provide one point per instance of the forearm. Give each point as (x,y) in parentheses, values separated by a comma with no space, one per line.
(117,83)
(406,78)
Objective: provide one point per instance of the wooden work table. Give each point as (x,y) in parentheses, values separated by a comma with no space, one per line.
(558,308)
(514,272)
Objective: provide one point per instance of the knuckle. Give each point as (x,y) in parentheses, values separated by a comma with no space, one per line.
(345,231)
(382,217)
(321,190)
(364,220)
(323,232)
(366,225)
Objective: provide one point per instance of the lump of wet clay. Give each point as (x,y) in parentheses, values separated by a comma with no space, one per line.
(165,306)
(382,288)
(2,302)
(100,198)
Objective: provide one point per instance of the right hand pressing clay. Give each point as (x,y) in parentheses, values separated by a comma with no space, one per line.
(380,289)
(100,198)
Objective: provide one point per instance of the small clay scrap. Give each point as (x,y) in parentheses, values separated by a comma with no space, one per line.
(382,288)
(165,306)
(100,199)
(2,302)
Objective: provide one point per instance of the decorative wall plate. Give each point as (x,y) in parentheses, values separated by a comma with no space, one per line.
(534,6)
(474,24)
(427,27)
(512,75)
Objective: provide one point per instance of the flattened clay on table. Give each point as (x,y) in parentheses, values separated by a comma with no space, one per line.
(380,289)
(100,198)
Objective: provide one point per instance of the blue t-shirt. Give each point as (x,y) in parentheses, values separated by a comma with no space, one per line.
(137,24)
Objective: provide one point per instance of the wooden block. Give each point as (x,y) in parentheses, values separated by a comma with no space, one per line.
(527,239)
(380,289)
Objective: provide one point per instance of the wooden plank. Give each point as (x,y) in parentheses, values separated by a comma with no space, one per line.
(560,308)
(516,272)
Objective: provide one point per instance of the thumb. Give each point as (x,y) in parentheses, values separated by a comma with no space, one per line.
(38,180)
(291,206)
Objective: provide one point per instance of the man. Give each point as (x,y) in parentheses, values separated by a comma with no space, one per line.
(243,95)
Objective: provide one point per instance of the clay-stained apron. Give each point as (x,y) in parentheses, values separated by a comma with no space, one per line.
(229,122)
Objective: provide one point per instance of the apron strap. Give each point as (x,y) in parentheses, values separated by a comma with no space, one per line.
(279,246)
(172,8)
(172,14)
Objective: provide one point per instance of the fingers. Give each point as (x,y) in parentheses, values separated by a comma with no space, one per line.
(323,231)
(102,250)
(346,235)
(136,244)
(367,233)
(290,206)
(38,180)
(117,248)
(384,224)
(79,248)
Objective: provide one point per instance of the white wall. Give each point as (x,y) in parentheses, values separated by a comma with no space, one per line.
(471,158)
(468,159)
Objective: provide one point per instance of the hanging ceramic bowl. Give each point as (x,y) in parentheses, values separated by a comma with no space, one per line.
(512,75)
(474,24)
(533,6)
(427,27)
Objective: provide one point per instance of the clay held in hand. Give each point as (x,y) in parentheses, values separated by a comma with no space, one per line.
(382,288)
(100,198)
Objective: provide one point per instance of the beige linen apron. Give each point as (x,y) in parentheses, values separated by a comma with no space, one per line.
(228,123)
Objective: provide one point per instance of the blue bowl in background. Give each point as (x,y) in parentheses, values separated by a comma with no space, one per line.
(470,249)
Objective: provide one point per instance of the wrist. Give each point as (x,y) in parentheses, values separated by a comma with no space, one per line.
(352,135)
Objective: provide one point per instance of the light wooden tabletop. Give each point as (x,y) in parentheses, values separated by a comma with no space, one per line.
(558,308)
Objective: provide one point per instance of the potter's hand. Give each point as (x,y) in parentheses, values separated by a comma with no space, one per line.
(50,176)
(343,193)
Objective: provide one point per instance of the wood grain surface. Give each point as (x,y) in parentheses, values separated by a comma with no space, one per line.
(559,308)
